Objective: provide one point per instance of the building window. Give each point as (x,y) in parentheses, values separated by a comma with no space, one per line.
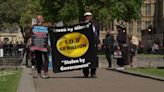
(147,24)
(130,27)
(148,9)
(139,26)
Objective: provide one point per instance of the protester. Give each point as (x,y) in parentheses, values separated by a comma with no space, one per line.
(88,18)
(133,45)
(109,41)
(41,57)
(122,45)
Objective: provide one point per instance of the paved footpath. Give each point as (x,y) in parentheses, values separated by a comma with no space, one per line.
(107,81)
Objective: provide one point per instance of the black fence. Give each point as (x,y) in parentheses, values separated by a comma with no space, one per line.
(11,55)
(11,50)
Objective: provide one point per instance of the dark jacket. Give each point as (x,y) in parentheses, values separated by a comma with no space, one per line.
(109,41)
(97,32)
(121,37)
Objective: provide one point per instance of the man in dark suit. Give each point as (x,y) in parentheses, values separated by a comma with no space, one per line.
(95,27)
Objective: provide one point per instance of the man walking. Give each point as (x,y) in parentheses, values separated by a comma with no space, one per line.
(95,27)
(109,41)
(41,57)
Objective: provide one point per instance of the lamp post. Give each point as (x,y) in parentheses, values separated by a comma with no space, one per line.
(163,38)
(150,31)
(151,28)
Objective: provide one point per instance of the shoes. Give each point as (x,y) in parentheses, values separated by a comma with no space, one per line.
(109,67)
(120,68)
(85,76)
(45,76)
(39,76)
(33,67)
(93,76)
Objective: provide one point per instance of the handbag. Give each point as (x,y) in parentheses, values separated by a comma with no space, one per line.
(132,51)
(117,54)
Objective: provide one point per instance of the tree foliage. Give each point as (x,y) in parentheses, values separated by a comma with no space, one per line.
(22,11)
(104,10)
(10,12)
(32,9)
(18,12)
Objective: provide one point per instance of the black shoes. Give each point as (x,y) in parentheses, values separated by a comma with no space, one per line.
(85,75)
(92,76)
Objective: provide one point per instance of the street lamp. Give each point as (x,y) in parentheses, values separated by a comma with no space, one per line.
(149,30)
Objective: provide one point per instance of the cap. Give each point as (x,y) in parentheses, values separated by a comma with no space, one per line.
(88,14)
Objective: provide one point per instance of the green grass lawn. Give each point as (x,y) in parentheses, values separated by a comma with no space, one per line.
(149,55)
(150,71)
(9,80)
(141,55)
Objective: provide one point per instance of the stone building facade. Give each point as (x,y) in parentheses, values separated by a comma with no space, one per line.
(12,37)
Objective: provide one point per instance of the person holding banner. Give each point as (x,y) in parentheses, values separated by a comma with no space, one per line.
(39,46)
(95,28)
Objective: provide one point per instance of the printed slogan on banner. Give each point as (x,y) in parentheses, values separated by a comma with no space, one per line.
(39,38)
(72,47)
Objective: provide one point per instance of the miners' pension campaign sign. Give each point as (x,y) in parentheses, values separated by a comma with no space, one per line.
(39,38)
(72,47)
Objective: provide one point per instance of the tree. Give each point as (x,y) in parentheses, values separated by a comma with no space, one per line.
(57,10)
(18,13)
(10,12)
(104,10)
(22,11)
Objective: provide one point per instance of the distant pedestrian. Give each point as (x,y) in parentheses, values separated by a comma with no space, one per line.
(122,45)
(133,46)
(155,48)
(108,43)
(1,48)
(11,51)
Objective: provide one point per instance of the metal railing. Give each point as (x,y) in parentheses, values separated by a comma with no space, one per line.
(11,56)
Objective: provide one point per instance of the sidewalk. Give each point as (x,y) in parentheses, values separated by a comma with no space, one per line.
(26,83)
(108,80)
